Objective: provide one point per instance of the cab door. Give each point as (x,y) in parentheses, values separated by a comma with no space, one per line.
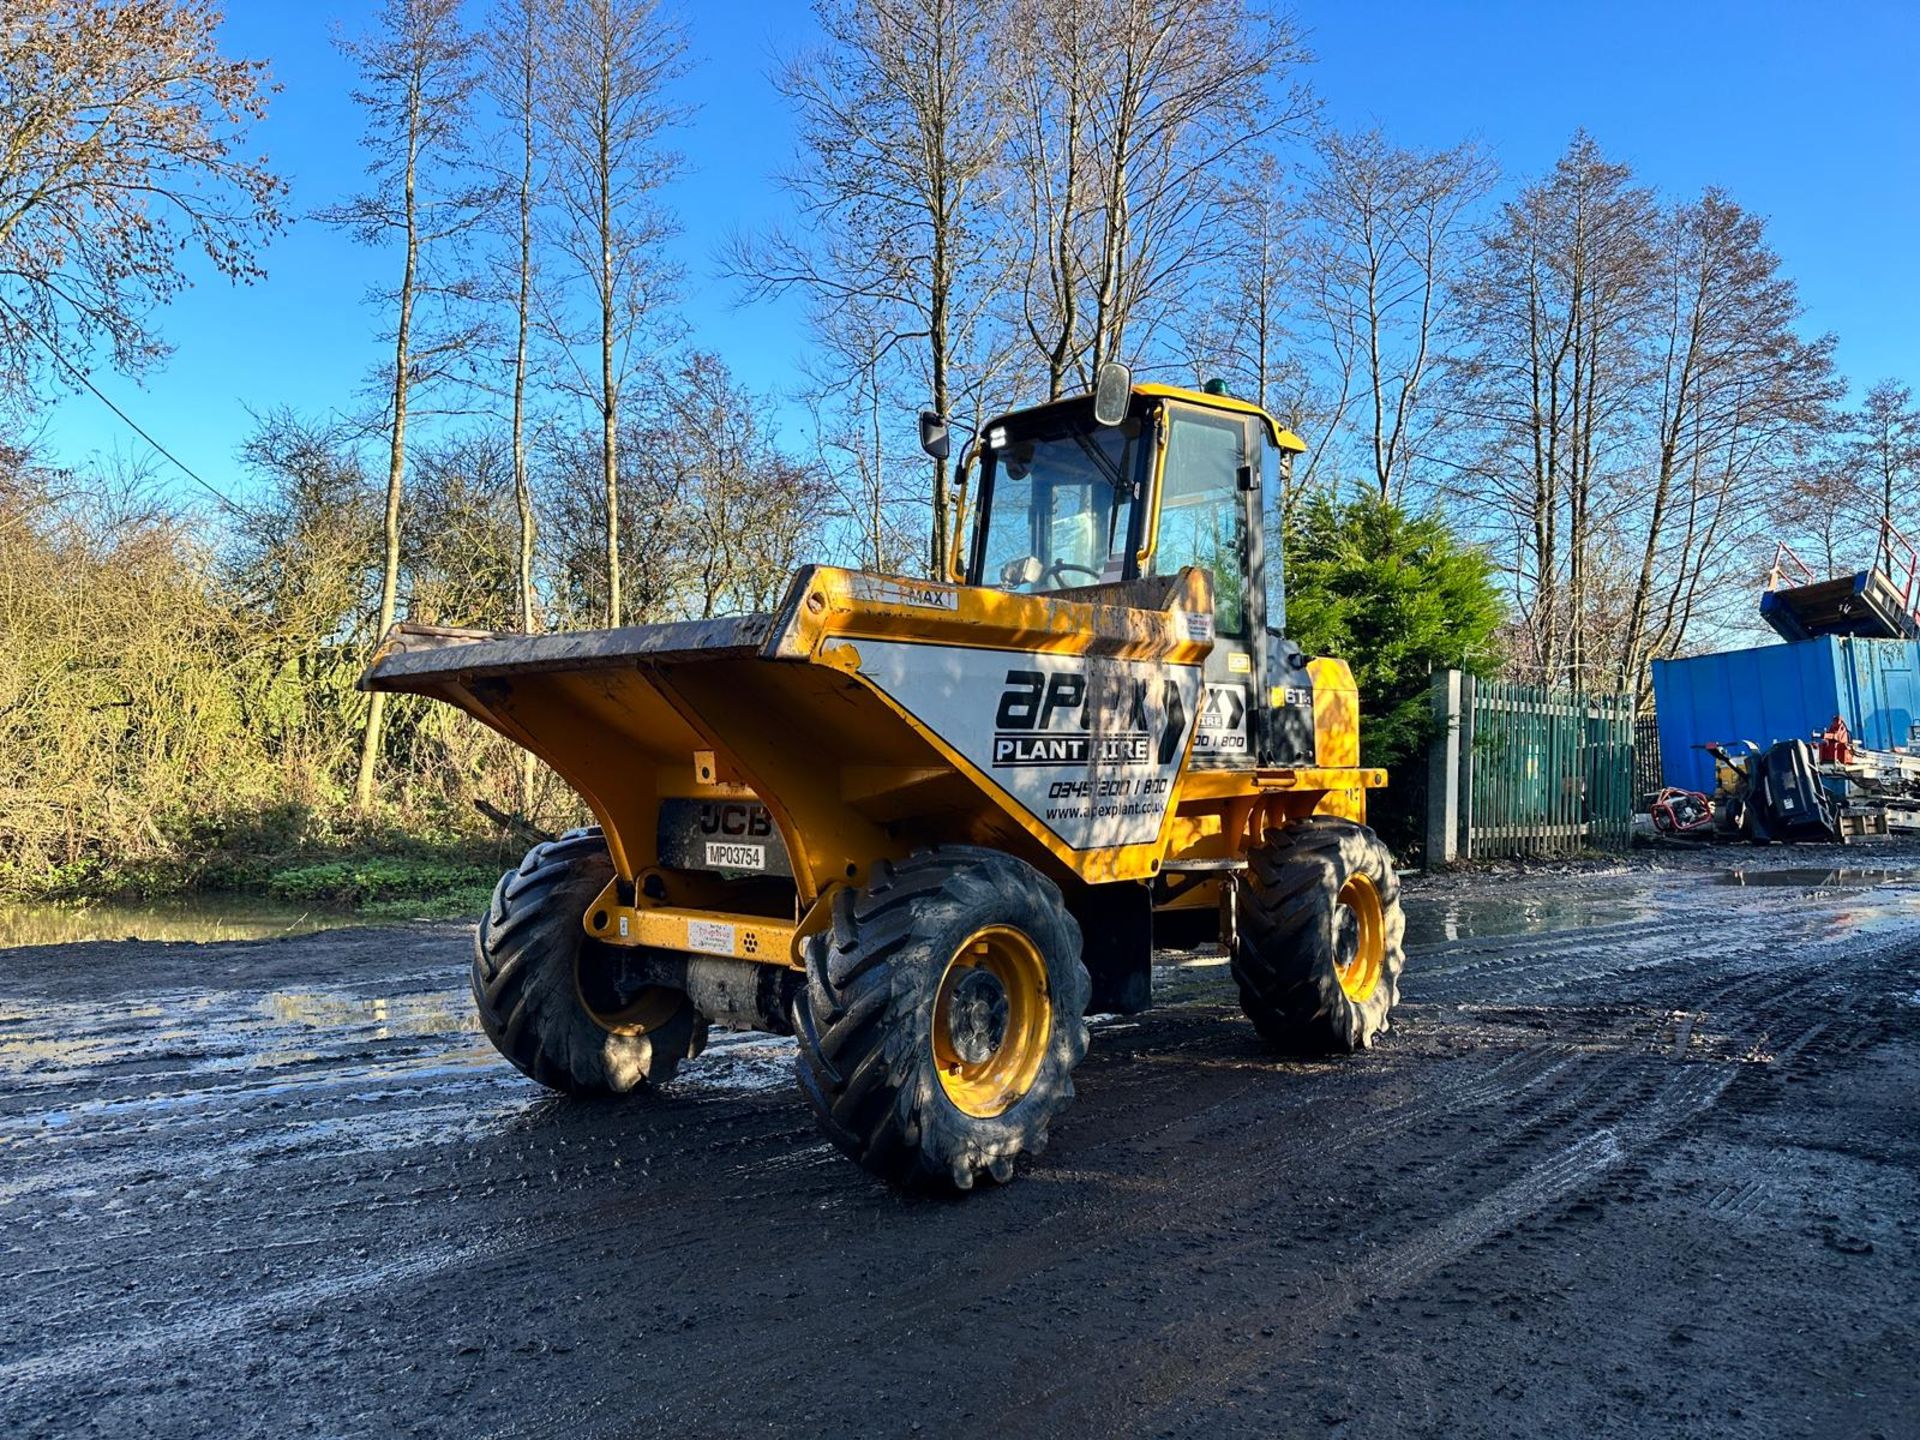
(1207,513)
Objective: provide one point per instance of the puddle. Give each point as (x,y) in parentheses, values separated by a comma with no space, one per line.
(434,1012)
(1437,920)
(1817,878)
(194,917)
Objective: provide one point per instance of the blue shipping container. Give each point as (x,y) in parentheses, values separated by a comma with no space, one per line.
(1783,692)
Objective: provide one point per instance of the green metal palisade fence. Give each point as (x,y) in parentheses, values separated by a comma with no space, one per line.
(1529,771)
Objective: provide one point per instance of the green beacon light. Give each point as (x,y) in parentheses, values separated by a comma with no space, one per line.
(1215,386)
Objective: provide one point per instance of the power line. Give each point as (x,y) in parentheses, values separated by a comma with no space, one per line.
(132,424)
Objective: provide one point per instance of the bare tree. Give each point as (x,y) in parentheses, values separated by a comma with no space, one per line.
(1185,100)
(1555,310)
(1738,399)
(1823,510)
(417,88)
(879,514)
(1856,479)
(724,514)
(1243,330)
(1251,332)
(1885,452)
(303,567)
(1389,227)
(121,135)
(1639,408)
(513,46)
(751,512)
(608,112)
(461,537)
(900,124)
(1130,117)
(1053,73)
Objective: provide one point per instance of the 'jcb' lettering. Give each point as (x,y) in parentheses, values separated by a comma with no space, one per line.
(735,820)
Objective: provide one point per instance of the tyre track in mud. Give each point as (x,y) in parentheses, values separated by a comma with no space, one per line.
(1592,1129)
(1582,1094)
(1038,1246)
(1471,1122)
(1411,1115)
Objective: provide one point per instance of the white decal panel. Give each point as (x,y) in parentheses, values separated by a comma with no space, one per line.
(1089,747)
(1223,722)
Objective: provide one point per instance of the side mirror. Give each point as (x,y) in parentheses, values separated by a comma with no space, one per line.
(1112,389)
(933,434)
(1027,570)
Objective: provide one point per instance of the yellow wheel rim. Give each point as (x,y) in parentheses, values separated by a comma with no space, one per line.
(644,1011)
(991,1020)
(1360,938)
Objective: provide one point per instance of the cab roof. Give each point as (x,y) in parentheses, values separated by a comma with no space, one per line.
(1282,437)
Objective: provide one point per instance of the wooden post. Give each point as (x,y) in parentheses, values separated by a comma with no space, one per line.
(1443,772)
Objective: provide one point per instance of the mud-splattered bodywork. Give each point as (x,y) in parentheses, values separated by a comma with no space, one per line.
(744,768)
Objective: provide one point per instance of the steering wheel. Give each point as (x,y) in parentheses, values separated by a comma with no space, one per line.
(1059,567)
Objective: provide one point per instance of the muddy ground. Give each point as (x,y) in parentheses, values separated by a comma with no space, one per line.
(1639,1157)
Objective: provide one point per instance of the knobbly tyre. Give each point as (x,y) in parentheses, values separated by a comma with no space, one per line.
(927,827)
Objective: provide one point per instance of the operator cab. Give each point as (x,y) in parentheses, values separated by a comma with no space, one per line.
(1058,495)
(1142,481)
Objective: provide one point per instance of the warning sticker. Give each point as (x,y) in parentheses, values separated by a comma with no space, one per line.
(710,937)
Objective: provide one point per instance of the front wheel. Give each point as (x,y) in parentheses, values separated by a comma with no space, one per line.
(942,1017)
(550,996)
(1321,939)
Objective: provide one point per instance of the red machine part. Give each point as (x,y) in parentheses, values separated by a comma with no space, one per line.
(1836,744)
(1681,812)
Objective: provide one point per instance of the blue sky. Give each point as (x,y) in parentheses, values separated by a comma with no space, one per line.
(1808,115)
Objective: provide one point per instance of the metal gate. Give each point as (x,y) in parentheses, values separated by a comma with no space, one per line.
(1524,770)
(1646,761)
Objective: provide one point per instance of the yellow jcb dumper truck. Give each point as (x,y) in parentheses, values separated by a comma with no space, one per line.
(927,827)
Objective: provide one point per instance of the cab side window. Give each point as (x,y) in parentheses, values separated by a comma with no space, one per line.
(1202,520)
(1272,492)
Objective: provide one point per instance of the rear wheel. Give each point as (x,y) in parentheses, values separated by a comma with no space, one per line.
(942,1017)
(550,997)
(1321,939)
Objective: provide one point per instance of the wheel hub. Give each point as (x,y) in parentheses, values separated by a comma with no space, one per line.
(977,1016)
(991,1018)
(1346,938)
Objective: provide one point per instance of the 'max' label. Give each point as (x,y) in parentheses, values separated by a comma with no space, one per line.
(895,590)
(1090,748)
